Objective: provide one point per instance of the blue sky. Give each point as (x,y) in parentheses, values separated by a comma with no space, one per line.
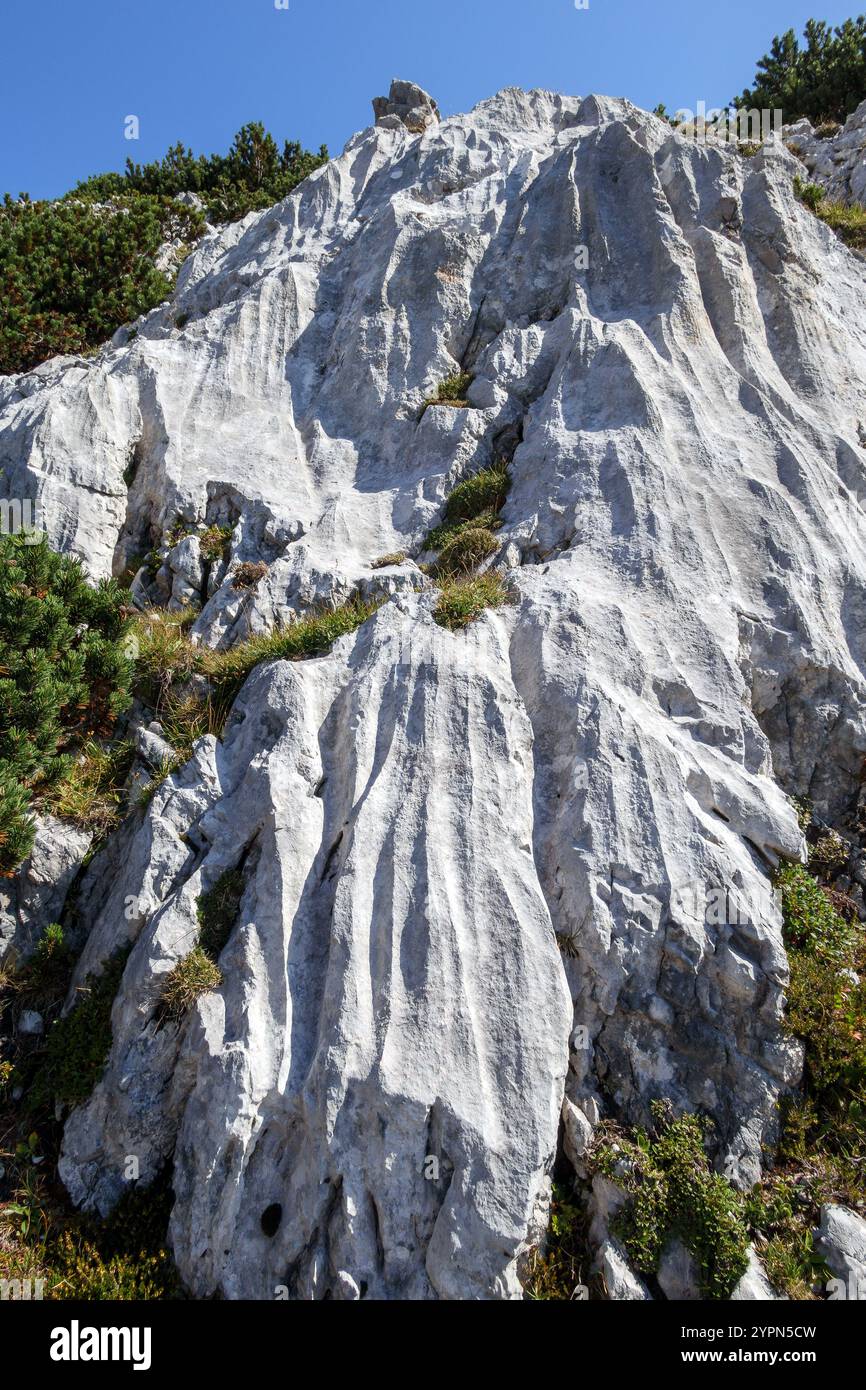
(196,70)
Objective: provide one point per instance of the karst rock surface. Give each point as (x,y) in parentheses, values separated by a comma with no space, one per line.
(424,818)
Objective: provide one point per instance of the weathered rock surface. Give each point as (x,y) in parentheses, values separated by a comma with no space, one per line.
(406,105)
(420,812)
(841,1241)
(836,161)
(35,896)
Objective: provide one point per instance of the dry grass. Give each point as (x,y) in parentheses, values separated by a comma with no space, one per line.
(192,977)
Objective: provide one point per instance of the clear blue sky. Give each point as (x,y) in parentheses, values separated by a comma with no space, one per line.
(196,70)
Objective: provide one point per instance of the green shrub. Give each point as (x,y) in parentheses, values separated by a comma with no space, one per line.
(827,1012)
(254,175)
(65,675)
(77,1046)
(218,911)
(71,273)
(781,1213)
(673,1192)
(461,601)
(812,924)
(465,550)
(824,80)
(192,977)
(823,1128)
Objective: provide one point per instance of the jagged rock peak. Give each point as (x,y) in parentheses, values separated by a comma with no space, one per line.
(407,105)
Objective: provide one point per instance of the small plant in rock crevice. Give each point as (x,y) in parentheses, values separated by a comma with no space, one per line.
(558,1271)
(465,550)
(385,562)
(77,1045)
(248,575)
(192,977)
(452,392)
(218,911)
(848,221)
(461,601)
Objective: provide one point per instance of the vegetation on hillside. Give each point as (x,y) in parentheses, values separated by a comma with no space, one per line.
(823,79)
(847,221)
(254,174)
(72,271)
(65,675)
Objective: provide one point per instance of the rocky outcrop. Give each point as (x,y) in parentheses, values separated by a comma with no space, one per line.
(33,898)
(669,353)
(835,156)
(406,105)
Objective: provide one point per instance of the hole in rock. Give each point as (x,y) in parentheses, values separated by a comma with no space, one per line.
(271,1218)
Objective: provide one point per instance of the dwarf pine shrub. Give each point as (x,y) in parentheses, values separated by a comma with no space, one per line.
(65,675)
(255,174)
(72,272)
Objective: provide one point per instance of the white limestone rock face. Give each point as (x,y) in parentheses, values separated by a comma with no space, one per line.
(671,352)
(386,1059)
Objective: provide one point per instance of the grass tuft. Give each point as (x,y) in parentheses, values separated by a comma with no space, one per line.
(465,550)
(461,601)
(849,223)
(192,977)
(452,391)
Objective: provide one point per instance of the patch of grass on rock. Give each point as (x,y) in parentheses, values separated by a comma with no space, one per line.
(192,977)
(461,601)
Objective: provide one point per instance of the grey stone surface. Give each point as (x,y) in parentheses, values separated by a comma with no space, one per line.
(34,897)
(841,1240)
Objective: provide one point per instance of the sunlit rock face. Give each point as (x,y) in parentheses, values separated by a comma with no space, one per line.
(478,865)
(835,156)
